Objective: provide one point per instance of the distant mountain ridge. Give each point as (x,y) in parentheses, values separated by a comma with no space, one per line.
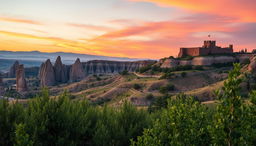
(35,58)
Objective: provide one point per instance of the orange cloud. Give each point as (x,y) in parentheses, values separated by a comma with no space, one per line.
(165,28)
(148,40)
(91,27)
(18,20)
(245,10)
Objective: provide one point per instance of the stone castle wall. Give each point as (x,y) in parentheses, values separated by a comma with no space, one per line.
(208,48)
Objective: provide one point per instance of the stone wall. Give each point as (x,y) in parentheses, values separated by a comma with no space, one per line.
(208,48)
(189,52)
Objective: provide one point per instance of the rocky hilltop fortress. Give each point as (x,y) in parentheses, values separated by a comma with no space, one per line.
(209,48)
(206,55)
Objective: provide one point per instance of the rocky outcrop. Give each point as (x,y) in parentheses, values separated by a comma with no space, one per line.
(202,61)
(60,70)
(77,71)
(212,60)
(252,65)
(47,74)
(169,63)
(59,73)
(13,69)
(21,83)
(1,86)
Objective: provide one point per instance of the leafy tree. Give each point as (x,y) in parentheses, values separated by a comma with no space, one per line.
(21,137)
(229,125)
(184,122)
(117,127)
(60,121)
(10,115)
(159,103)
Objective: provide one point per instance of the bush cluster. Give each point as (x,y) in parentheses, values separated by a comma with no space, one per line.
(60,121)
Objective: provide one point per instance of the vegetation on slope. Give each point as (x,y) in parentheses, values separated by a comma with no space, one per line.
(173,121)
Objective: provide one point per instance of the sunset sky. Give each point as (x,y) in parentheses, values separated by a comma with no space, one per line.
(125,28)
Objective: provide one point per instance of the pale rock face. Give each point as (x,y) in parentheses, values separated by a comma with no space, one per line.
(244,57)
(77,72)
(252,65)
(169,63)
(212,59)
(47,74)
(21,83)
(204,61)
(1,86)
(12,71)
(185,62)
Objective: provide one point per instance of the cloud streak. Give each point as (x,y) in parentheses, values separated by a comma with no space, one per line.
(19,20)
(245,10)
(91,27)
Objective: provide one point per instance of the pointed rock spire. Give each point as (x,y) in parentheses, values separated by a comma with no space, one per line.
(77,72)
(12,71)
(47,74)
(21,83)
(60,71)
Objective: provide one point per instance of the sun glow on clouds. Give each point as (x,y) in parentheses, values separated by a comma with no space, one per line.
(228,21)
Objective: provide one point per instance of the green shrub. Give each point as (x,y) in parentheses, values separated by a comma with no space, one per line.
(167,76)
(125,72)
(184,122)
(137,86)
(167,88)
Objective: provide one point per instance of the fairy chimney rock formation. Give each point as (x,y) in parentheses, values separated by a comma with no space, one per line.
(60,71)
(77,72)
(12,71)
(21,83)
(47,74)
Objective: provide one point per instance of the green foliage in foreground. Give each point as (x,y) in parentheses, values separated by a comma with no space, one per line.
(187,122)
(178,121)
(60,121)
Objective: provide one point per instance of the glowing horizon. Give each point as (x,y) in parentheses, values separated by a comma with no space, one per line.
(125,28)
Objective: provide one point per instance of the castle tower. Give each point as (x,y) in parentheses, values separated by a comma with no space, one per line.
(209,44)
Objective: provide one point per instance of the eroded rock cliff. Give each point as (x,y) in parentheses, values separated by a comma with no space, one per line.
(108,67)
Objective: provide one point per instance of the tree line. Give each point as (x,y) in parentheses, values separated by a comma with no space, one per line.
(182,120)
